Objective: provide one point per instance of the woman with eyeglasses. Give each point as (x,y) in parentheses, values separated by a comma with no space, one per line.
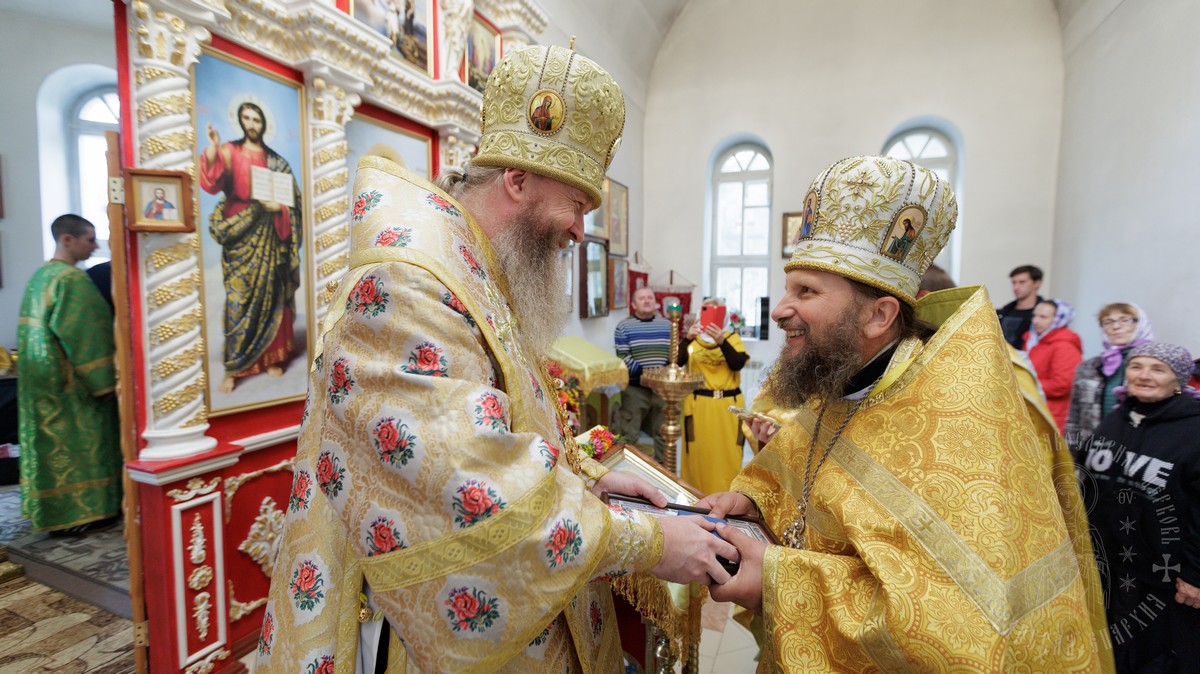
(1125,326)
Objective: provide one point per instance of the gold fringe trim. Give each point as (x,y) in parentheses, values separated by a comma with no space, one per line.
(611,377)
(650,597)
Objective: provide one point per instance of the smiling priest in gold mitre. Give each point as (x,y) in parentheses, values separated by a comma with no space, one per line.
(439,519)
(921,523)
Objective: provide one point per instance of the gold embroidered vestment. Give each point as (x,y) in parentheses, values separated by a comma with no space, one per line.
(428,466)
(937,539)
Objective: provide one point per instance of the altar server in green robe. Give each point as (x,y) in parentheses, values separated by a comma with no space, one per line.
(70,449)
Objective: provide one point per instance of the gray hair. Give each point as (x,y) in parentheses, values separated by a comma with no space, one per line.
(457,183)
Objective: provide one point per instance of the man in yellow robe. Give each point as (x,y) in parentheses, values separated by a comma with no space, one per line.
(712,436)
(925,526)
(439,517)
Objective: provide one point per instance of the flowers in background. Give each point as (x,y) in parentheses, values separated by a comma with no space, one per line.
(600,440)
(737,321)
(570,395)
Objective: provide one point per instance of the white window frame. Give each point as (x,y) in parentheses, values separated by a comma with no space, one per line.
(949,258)
(77,128)
(717,261)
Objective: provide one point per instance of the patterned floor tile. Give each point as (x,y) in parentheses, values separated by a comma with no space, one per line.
(42,630)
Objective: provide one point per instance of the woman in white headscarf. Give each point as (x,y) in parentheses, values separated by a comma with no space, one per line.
(1055,351)
(1125,326)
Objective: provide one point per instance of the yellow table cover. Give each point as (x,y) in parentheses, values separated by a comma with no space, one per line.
(594,366)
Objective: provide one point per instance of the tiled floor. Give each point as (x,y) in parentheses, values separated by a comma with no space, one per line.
(729,649)
(43,630)
(12,525)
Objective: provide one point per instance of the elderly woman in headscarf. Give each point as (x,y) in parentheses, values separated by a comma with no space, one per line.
(1141,482)
(1125,326)
(1055,351)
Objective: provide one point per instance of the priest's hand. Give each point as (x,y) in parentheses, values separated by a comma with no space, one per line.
(762,429)
(1186,593)
(724,503)
(690,551)
(744,589)
(616,482)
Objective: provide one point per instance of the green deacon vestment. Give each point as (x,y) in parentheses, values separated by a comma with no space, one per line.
(70,449)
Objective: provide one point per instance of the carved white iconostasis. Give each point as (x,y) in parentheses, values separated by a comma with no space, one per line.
(205,84)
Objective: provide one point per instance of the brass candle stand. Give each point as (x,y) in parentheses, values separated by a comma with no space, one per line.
(672,383)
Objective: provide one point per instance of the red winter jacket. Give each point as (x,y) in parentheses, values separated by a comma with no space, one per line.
(1055,357)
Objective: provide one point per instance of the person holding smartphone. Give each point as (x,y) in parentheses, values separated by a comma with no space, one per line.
(712,437)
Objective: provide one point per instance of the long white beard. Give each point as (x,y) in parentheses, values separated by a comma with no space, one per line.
(528,253)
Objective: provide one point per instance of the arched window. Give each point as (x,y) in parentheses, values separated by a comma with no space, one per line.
(929,148)
(933,149)
(92,114)
(741,231)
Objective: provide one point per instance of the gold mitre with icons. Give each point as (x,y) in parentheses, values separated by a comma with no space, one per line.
(555,112)
(877,220)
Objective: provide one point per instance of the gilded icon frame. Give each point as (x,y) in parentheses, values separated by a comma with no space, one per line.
(144,212)
(792,222)
(594,300)
(219,79)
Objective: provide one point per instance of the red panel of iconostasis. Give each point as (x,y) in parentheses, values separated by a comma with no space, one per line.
(256,501)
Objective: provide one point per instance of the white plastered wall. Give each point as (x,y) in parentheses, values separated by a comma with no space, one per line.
(30,50)
(819,81)
(1129,185)
(601,40)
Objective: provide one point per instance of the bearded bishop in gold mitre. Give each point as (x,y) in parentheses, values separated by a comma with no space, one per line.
(929,522)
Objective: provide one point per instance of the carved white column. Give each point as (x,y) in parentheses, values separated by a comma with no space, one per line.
(331,107)
(456,151)
(517,20)
(514,39)
(456,21)
(165,37)
(341,60)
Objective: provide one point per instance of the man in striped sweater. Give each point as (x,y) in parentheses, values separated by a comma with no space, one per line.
(643,341)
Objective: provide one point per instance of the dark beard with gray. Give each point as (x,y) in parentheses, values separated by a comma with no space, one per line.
(822,367)
(528,254)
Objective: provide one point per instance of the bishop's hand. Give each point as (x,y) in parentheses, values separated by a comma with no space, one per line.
(617,482)
(690,551)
